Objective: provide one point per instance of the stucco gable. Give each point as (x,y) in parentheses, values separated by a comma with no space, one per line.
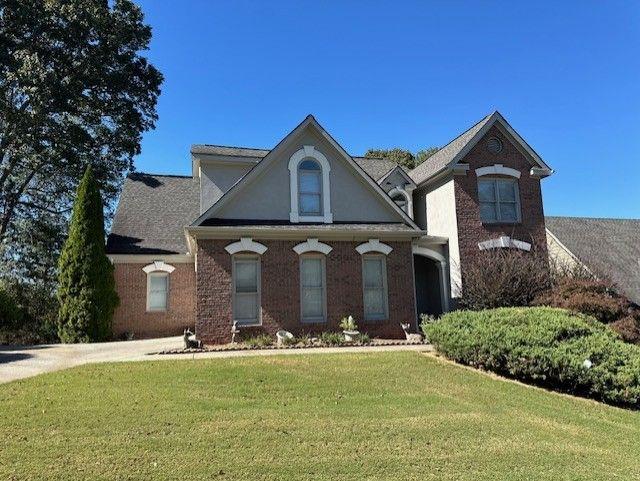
(264,192)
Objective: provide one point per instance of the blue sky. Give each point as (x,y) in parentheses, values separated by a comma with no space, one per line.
(410,74)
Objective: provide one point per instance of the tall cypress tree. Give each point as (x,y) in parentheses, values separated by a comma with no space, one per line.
(86,286)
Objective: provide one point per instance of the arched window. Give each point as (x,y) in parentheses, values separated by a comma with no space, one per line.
(309,185)
(400,201)
(309,188)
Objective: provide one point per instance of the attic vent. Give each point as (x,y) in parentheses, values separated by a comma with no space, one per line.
(494,145)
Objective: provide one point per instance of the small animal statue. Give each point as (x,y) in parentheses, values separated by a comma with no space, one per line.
(190,340)
(234,331)
(411,336)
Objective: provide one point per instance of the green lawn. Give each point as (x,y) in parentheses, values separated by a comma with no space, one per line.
(400,415)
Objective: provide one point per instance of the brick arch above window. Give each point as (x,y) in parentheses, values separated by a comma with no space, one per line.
(158,266)
(374,245)
(312,245)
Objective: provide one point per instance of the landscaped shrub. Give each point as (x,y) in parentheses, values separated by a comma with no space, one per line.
(10,313)
(545,346)
(503,278)
(261,340)
(332,338)
(628,328)
(589,296)
(86,286)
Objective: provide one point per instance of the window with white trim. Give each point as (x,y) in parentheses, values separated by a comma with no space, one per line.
(499,200)
(313,295)
(401,201)
(309,188)
(246,289)
(374,283)
(157,291)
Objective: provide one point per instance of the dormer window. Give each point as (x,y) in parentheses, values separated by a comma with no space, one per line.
(400,201)
(310,188)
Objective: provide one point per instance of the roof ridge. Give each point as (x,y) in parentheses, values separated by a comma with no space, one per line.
(590,218)
(137,172)
(229,146)
(454,139)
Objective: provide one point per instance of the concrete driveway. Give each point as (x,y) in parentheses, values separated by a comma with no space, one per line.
(20,362)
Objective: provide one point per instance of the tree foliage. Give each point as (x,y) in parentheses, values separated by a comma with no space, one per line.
(402,156)
(86,287)
(74,91)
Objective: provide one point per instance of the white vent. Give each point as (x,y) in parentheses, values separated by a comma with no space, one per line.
(494,145)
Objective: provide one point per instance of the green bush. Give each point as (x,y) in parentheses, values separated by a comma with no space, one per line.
(544,346)
(332,338)
(261,340)
(10,312)
(86,286)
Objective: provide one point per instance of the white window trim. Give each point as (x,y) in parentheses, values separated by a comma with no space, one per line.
(374,245)
(384,286)
(233,288)
(158,266)
(158,273)
(408,197)
(498,202)
(310,152)
(246,244)
(497,169)
(323,261)
(312,245)
(504,242)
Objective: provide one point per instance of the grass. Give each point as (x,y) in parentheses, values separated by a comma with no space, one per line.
(374,416)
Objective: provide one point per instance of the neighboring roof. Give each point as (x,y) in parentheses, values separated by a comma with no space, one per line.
(608,247)
(152,213)
(450,154)
(375,168)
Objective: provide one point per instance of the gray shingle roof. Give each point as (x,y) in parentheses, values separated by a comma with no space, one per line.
(376,168)
(608,247)
(152,213)
(286,225)
(446,154)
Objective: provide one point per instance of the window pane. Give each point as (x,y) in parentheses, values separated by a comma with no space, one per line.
(373,273)
(312,303)
(486,191)
(508,212)
(311,272)
(374,303)
(158,300)
(310,182)
(309,165)
(158,284)
(309,203)
(488,212)
(246,276)
(507,190)
(246,307)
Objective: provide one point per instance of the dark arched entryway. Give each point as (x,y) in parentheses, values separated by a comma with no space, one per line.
(428,286)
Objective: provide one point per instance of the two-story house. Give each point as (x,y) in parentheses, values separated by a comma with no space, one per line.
(301,235)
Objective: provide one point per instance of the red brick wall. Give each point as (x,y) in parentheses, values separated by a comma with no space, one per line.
(281,290)
(131,315)
(470,229)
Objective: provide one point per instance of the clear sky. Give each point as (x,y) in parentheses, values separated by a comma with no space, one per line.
(566,75)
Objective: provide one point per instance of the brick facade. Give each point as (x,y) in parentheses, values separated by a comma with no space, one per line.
(280,297)
(470,228)
(131,315)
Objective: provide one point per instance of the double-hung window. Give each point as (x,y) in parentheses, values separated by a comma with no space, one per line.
(499,200)
(246,289)
(157,291)
(374,280)
(313,288)
(310,188)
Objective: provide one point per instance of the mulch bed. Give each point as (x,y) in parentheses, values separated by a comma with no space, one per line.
(243,347)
